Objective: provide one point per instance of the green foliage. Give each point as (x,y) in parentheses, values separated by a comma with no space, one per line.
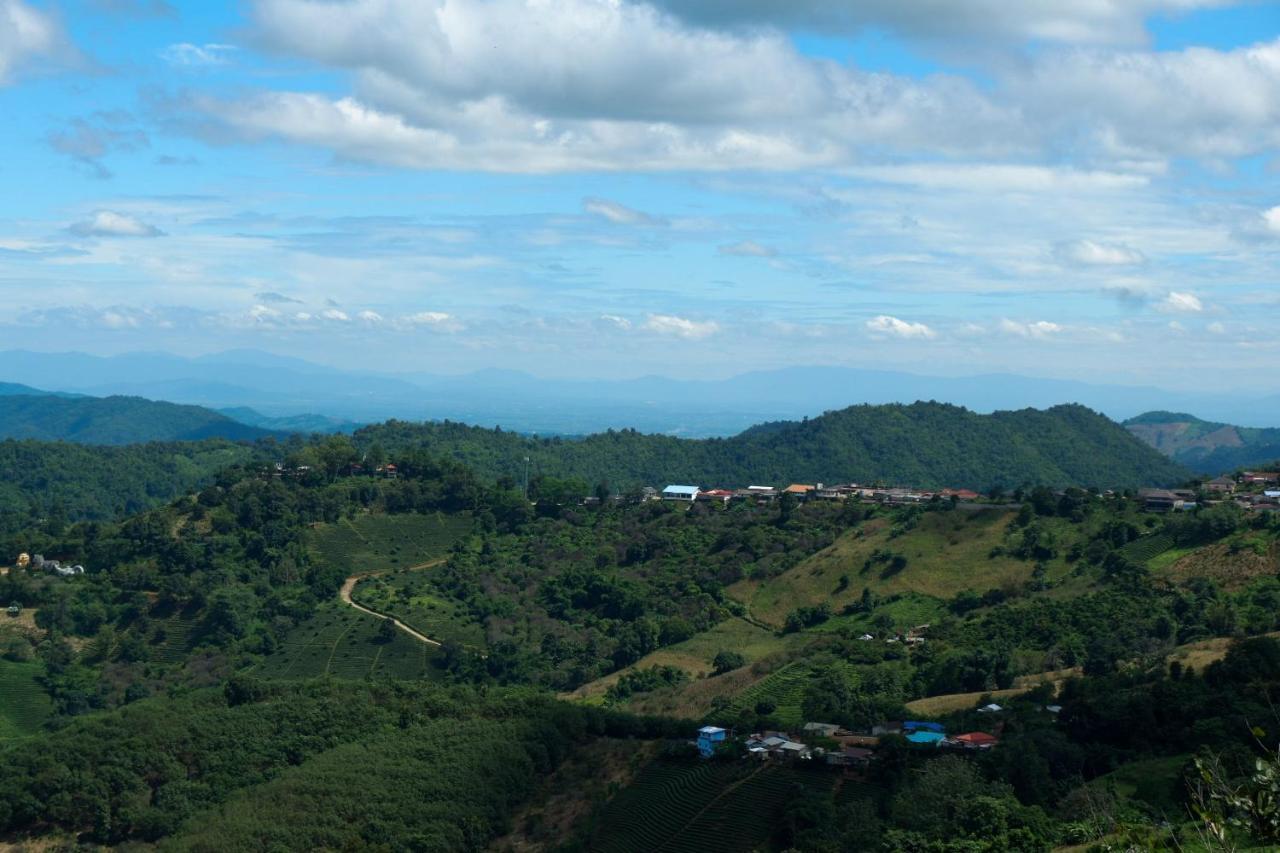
(114,421)
(727,660)
(642,681)
(927,444)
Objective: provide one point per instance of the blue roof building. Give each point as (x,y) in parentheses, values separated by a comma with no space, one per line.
(709,737)
(915,725)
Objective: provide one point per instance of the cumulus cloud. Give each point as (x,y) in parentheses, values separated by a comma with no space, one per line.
(26,34)
(619,214)
(613,321)
(372,318)
(1092,254)
(1181,303)
(1039,330)
(1271,220)
(335,315)
(109,223)
(893,327)
(188,55)
(748,249)
(680,327)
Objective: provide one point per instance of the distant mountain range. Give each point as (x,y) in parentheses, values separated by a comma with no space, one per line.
(114,420)
(923,444)
(278,386)
(1206,447)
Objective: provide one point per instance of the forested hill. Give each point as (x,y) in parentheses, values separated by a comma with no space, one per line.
(114,420)
(1203,446)
(923,444)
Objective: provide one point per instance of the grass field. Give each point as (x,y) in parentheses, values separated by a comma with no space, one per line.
(949,703)
(342,642)
(374,542)
(695,655)
(946,553)
(24,706)
(704,806)
(1232,564)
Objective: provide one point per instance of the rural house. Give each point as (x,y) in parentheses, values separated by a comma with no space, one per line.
(686,494)
(710,737)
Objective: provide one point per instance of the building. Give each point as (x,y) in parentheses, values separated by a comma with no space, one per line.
(722,496)
(800,490)
(821,729)
(1260,477)
(710,737)
(1161,500)
(975,740)
(1222,485)
(685,494)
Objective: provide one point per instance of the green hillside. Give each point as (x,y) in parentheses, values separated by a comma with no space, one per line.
(923,444)
(1205,446)
(114,420)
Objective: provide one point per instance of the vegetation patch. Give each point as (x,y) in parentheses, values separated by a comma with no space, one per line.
(24,704)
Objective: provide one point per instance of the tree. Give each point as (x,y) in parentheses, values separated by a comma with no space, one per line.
(726,660)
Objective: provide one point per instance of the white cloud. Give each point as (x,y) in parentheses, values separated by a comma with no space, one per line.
(1090,253)
(187,55)
(1181,303)
(1094,22)
(436,321)
(1271,219)
(372,318)
(26,33)
(108,223)
(893,327)
(1038,330)
(1216,328)
(335,315)
(616,322)
(619,214)
(680,327)
(748,249)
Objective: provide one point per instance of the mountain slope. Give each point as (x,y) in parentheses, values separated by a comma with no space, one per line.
(114,420)
(1206,446)
(923,444)
(289,423)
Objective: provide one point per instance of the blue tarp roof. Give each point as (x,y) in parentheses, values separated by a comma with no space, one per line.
(929,727)
(925,737)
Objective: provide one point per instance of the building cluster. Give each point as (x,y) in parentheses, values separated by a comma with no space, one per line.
(40,564)
(806,492)
(832,744)
(1258,490)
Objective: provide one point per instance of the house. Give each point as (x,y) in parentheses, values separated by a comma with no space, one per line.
(710,737)
(992,708)
(975,740)
(1160,500)
(1222,485)
(960,494)
(852,756)
(685,494)
(722,496)
(649,493)
(916,725)
(828,493)
(792,751)
(926,738)
(800,490)
(1260,477)
(821,729)
(390,471)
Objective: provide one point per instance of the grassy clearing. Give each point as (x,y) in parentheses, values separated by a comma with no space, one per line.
(374,542)
(950,703)
(1233,564)
(342,642)
(946,553)
(695,656)
(25,705)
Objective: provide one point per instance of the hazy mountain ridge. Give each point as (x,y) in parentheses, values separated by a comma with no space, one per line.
(115,421)
(277,386)
(1204,446)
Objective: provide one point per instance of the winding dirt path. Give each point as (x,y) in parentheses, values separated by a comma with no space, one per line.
(349,585)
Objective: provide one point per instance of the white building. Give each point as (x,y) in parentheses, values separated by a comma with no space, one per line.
(688,494)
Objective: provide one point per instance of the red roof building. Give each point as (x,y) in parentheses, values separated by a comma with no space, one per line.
(976,740)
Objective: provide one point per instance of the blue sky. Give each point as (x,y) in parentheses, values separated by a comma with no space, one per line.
(608,188)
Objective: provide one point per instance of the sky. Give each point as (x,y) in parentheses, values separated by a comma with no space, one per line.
(611,188)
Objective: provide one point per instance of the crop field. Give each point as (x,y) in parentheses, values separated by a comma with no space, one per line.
(372,542)
(1148,547)
(343,642)
(784,688)
(407,594)
(172,638)
(946,553)
(1233,564)
(707,806)
(24,706)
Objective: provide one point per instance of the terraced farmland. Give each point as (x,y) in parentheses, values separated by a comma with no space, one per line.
(704,806)
(784,688)
(344,643)
(407,595)
(24,705)
(172,638)
(1148,547)
(371,542)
